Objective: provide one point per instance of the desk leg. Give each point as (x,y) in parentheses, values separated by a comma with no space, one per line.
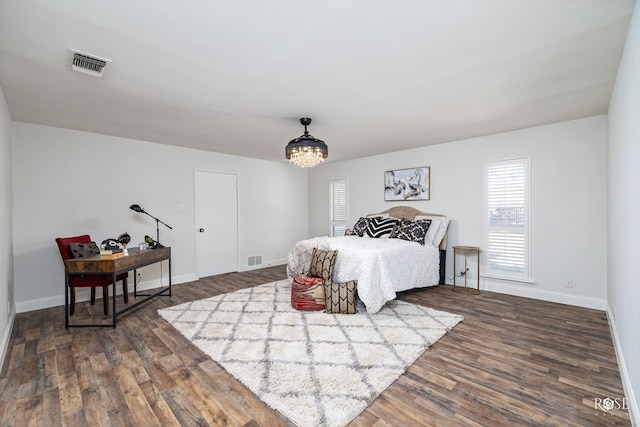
(169,277)
(66,301)
(113,281)
(135,283)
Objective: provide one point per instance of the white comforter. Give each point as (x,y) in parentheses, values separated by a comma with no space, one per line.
(382,267)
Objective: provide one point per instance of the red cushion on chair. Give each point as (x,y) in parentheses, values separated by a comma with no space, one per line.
(307,293)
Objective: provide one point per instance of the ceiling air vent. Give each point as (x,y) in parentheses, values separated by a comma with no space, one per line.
(88,64)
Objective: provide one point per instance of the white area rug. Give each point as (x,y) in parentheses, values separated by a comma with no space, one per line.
(317,369)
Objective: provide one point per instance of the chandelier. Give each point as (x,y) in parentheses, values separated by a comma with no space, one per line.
(306,151)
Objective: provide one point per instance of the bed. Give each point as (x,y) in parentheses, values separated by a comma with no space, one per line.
(380,255)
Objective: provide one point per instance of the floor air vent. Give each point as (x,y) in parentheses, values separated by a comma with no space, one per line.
(88,64)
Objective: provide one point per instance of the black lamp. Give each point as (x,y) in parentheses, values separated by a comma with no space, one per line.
(306,150)
(138,209)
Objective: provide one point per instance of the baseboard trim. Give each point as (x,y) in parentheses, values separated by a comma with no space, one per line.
(634,411)
(6,336)
(272,263)
(528,291)
(84,294)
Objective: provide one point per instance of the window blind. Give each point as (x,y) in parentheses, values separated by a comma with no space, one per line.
(506,210)
(337,207)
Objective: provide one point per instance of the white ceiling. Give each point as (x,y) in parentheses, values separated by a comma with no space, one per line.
(234,76)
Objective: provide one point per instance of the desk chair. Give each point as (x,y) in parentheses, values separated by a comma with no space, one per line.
(93,280)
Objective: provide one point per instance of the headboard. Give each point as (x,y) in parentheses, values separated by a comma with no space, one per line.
(407,212)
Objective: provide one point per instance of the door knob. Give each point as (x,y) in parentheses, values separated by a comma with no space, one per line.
(201,230)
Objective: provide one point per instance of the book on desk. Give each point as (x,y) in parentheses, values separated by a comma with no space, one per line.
(111,253)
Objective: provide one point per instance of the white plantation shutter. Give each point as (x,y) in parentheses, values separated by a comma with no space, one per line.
(337,207)
(507,218)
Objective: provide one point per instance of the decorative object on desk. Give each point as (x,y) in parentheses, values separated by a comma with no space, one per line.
(111,245)
(157,244)
(124,239)
(407,184)
(306,150)
(317,369)
(107,254)
(148,240)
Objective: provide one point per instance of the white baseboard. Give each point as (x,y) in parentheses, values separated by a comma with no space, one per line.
(6,336)
(528,291)
(272,263)
(632,402)
(84,294)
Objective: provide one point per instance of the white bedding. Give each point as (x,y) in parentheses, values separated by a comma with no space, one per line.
(382,267)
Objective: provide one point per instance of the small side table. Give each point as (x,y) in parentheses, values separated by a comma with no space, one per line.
(465,251)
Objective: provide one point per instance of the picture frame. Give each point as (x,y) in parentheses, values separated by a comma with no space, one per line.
(407,184)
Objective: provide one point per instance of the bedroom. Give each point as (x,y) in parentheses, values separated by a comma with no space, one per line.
(588,180)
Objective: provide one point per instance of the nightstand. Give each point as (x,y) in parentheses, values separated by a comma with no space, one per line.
(466,251)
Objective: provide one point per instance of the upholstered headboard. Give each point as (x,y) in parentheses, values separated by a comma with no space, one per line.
(407,212)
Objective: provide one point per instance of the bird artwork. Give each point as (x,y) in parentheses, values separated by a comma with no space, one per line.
(407,184)
(393,184)
(415,186)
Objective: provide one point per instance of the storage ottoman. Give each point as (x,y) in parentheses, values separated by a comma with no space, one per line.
(307,293)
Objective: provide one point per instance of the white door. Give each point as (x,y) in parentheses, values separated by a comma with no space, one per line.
(217,222)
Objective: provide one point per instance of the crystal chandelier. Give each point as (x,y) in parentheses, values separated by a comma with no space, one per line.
(306,151)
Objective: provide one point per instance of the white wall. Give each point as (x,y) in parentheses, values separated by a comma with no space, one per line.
(69,182)
(568,201)
(624,214)
(6,229)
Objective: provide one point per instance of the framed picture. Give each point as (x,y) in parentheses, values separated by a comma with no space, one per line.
(407,184)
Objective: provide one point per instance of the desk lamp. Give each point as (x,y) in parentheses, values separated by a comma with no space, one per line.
(138,209)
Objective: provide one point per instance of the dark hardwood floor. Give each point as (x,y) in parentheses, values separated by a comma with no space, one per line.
(512,361)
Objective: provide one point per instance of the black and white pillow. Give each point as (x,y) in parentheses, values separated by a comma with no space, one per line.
(381,227)
(413,231)
(360,226)
(83,250)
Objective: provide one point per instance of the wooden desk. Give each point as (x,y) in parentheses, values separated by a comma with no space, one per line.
(97,265)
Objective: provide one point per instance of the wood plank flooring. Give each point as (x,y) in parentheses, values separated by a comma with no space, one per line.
(512,361)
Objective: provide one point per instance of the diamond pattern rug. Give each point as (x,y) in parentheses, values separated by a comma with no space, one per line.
(317,369)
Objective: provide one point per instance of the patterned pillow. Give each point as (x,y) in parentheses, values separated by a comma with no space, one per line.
(83,250)
(414,231)
(360,226)
(322,263)
(438,228)
(340,297)
(381,227)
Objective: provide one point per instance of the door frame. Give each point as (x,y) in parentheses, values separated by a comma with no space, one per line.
(197,215)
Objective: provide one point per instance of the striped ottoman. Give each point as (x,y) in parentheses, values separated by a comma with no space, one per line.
(307,293)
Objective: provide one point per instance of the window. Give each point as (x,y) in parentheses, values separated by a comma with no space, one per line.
(337,207)
(506,198)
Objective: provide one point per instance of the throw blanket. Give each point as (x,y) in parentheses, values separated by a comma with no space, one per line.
(382,267)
